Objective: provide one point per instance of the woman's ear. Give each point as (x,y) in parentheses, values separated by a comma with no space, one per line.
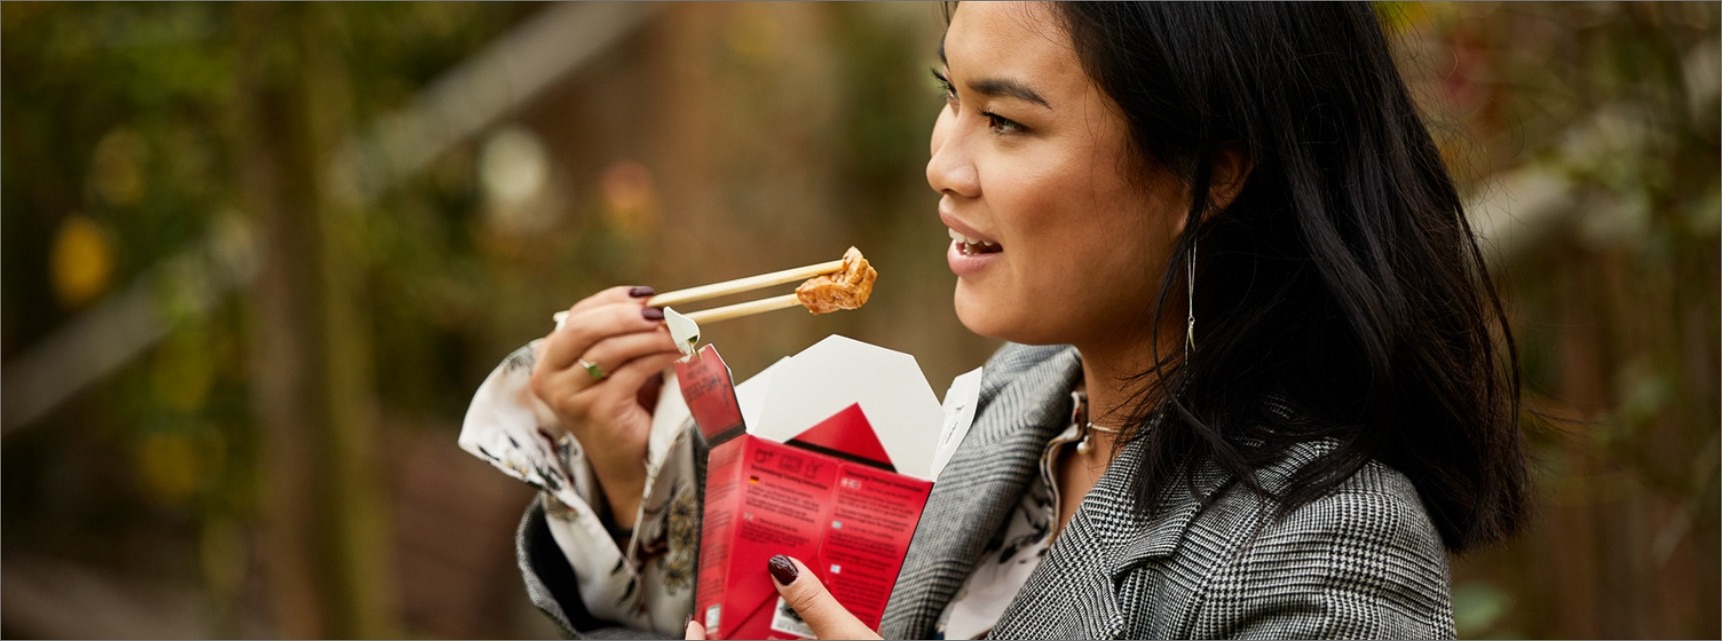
(1231,170)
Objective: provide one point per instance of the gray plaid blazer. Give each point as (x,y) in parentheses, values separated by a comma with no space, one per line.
(1364,561)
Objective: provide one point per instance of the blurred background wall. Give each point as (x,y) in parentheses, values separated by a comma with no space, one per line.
(256,258)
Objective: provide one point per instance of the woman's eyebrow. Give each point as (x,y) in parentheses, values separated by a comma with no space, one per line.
(996,87)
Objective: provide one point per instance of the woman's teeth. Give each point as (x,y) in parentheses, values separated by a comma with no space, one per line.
(970,247)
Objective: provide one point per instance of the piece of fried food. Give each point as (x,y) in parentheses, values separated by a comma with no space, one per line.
(846,288)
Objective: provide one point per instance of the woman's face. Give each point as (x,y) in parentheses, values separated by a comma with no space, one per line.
(1029,159)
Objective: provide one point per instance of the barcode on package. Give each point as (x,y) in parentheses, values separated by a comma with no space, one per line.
(785,620)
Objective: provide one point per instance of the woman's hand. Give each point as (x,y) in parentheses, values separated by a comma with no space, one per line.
(818,609)
(599,371)
(808,597)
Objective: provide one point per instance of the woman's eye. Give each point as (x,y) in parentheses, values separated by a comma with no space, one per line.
(998,124)
(946,86)
(1002,125)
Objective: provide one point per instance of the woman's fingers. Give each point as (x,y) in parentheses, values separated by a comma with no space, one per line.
(612,352)
(583,330)
(620,348)
(622,294)
(635,373)
(818,609)
(618,396)
(696,630)
(610,355)
(603,409)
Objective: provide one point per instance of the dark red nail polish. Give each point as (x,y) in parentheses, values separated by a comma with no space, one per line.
(688,620)
(783,569)
(652,314)
(641,291)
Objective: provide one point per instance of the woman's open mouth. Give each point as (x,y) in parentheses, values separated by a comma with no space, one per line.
(970,247)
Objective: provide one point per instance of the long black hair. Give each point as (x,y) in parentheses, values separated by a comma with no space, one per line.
(1343,278)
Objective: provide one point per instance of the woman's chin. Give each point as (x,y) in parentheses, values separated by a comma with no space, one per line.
(985,317)
(974,312)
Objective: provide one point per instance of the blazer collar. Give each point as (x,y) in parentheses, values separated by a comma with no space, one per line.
(1157,535)
(1111,504)
(1024,401)
(1107,538)
(1104,540)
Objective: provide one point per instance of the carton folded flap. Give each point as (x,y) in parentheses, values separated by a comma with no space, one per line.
(749,619)
(960,406)
(847,433)
(838,372)
(751,392)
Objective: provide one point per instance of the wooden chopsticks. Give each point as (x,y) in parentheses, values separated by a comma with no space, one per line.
(749,308)
(737,286)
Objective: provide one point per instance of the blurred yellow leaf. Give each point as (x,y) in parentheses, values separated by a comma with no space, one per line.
(117,169)
(751,34)
(630,198)
(181,375)
(81,261)
(170,466)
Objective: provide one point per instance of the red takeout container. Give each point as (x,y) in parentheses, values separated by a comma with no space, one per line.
(827,456)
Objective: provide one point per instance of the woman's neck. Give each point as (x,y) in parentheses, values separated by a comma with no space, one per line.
(1112,376)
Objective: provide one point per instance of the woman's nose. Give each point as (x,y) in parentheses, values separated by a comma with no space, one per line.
(950,170)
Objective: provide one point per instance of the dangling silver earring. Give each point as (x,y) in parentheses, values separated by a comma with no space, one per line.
(1190,302)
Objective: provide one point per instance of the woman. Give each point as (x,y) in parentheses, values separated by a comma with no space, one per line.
(1252,385)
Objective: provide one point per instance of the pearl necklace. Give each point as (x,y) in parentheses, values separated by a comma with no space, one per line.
(1088,431)
(1079,416)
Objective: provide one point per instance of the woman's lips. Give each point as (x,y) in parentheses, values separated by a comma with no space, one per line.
(971,245)
(969,252)
(966,263)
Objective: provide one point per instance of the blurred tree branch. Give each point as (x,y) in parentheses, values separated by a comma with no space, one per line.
(322,534)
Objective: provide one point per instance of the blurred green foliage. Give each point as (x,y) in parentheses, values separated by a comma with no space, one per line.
(1587,136)
(122,148)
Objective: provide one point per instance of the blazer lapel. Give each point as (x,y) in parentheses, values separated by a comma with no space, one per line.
(1072,593)
(1025,400)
